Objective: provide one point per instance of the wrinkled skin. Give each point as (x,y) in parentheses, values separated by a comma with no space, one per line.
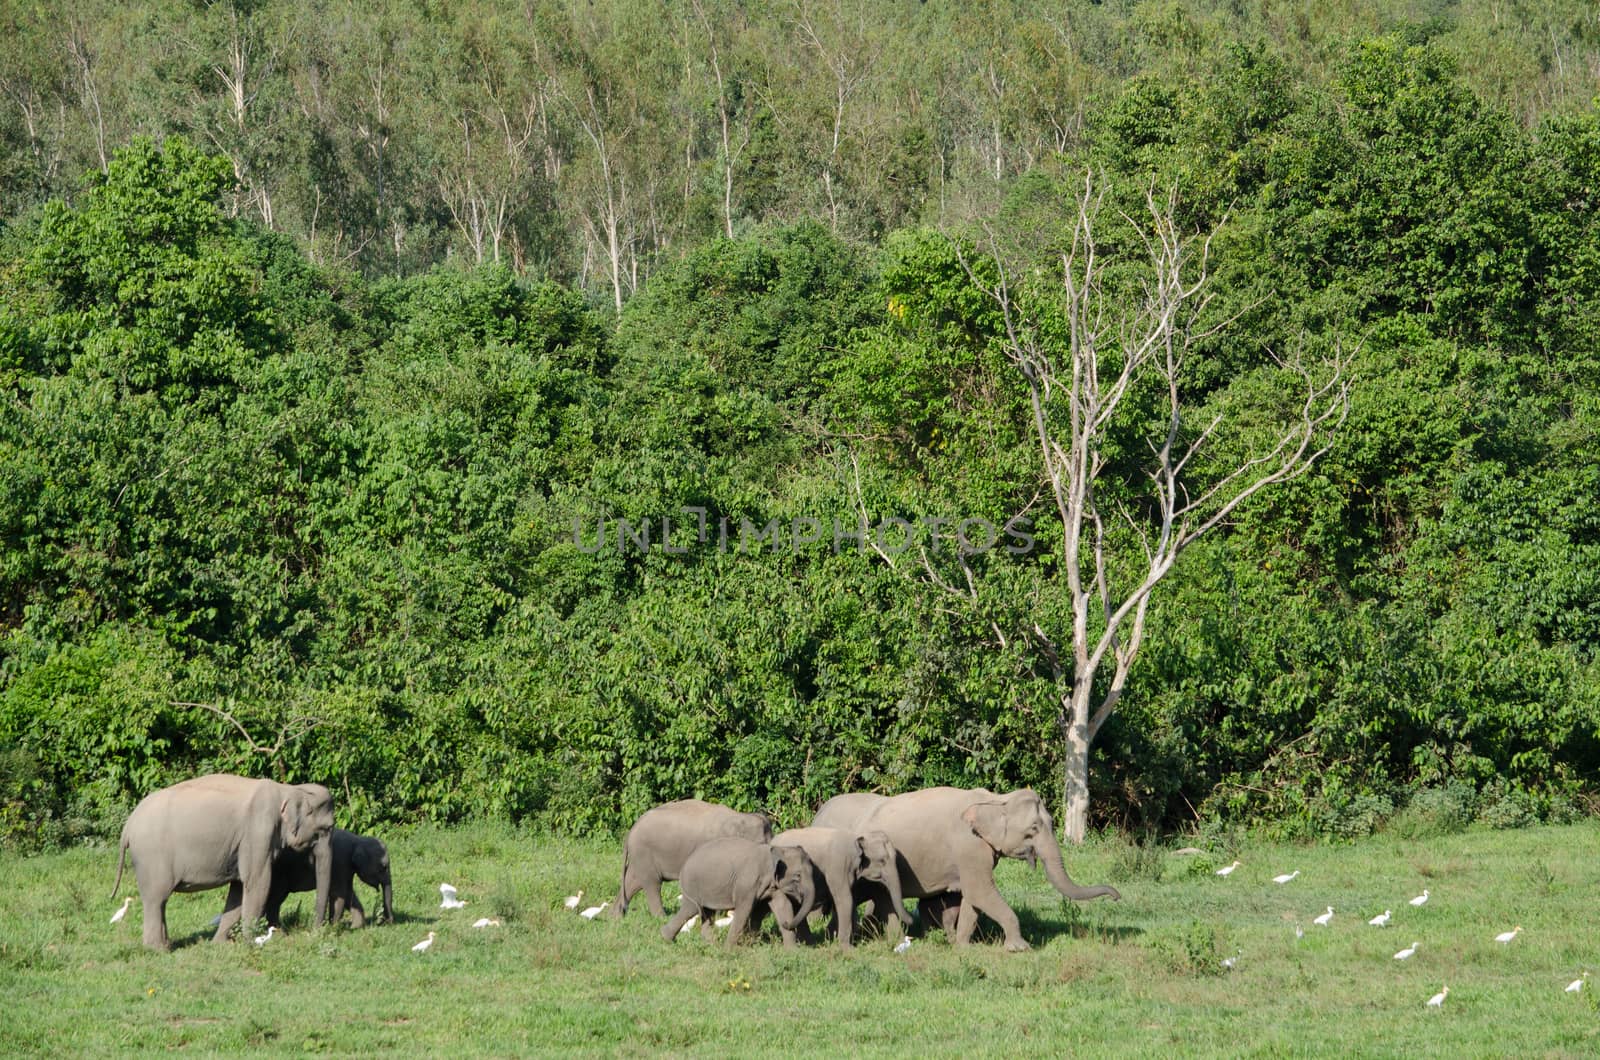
(949,840)
(662,839)
(737,874)
(219,830)
(840,860)
(353,856)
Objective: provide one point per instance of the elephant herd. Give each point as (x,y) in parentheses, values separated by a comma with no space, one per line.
(263,840)
(938,845)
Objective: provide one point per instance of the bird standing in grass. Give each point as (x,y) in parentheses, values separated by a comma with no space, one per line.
(1286,877)
(903,945)
(1381,920)
(1322,921)
(724,920)
(595,910)
(422,947)
(1421,899)
(572,901)
(1507,936)
(1405,954)
(1227,869)
(262,940)
(120,913)
(1437,1000)
(1577,984)
(690,924)
(448,899)
(483,922)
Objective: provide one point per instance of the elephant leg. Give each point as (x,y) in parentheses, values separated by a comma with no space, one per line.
(358,915)
(741,917)
(686,911)
(985,898)
(230,911)
(843,907)
(638,879)
(252,906)
(708,925)
(155,918)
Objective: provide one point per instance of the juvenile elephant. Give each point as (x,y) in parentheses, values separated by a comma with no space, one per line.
(736,874)
(662,839)
(222,829)
(353,856)
(839,860)
(949,840)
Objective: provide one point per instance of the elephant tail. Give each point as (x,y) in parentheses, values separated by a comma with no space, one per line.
(122,859)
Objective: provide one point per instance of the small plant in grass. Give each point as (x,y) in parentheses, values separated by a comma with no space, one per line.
(1195,949)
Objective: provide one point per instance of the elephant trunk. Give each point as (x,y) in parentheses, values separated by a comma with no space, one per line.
(897,897)
(322,862)
(1049,851)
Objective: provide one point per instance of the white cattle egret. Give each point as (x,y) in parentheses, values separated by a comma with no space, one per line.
(1299,932)
(1437,1000)
(120,913)
(1322,921)
(903,945)
(572,901)
(1381,920)
(1421,899)
(484,921)
(723,921)
(262,940)
(689,925)
(1405,954)
(595,910)
(1229,962)
(1577,984)
(422,947)
(448,899)
(1507,936)
(1286,877)
(1228,869)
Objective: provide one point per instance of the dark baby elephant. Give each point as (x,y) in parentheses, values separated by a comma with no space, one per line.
(738,875)
(354,856)
(221,830)
(662,839)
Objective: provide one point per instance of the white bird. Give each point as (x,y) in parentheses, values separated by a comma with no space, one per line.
(1437,1000)
(724,920)
(1421,899)
(1229,962)
(595,910)
(422,947)
(1286,877)
(1322,921)
(1299,932)
(262,940)
(903,945)
(1405,954)
(448,899)
(1507,936)
(1227,869)
(484,921)
(689,925)
(120,913)
(572,901)
(1381,920)
(1576,985)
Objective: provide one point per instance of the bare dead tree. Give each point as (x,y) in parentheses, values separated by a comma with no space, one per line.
(1114,557)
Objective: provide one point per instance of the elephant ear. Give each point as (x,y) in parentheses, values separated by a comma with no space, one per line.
(988,822)
(863,854)
(778,866)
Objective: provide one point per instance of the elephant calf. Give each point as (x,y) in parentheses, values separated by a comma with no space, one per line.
(736,874)
(662,839)
(840,859)
(353,856)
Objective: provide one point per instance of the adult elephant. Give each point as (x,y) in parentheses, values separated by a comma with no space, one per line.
(949,840)
(222,829)
(840,860)
(662,839)
(354,856)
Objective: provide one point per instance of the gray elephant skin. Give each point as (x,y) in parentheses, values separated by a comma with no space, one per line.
(218,830)
(354,856)
(839,861)
(949,840)
(738,874)
(662,839)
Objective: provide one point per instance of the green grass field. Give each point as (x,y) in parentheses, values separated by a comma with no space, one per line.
(1140,977)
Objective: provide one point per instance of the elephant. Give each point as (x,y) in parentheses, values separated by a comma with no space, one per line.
(736,874)
(840,859)
(949,840)
(662,839)
(221,830)
(353,856)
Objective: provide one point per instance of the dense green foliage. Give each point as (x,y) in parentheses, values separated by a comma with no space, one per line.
(287,492)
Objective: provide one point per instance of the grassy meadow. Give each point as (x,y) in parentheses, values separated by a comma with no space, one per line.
(1139,977)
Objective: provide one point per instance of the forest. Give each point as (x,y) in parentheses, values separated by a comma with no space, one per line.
(332,340)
